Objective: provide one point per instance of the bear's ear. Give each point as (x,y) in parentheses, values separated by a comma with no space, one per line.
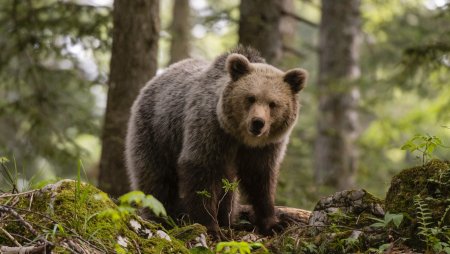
(296,78)
(237,66)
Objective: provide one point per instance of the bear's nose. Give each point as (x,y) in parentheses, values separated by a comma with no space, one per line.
(257,125)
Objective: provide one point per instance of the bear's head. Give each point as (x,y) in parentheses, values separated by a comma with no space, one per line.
(259,105)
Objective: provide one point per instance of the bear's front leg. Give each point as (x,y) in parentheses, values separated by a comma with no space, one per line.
(198,189)
(258,172)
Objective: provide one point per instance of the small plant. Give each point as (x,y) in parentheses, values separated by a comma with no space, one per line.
(436,237)
(227,186)
(239,247)
(389,218)
(130,202)
(9,175)
(381,249)
(424,144)
(309,247)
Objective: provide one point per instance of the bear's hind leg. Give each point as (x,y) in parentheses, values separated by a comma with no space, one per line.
(198,191)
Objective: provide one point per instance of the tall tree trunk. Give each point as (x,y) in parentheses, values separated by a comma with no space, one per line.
(180,31)
(338,127)
(259,27)
(133,62)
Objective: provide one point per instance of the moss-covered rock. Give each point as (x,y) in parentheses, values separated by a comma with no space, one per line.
(350,208)
(429,185)
(339,223)
(67,215)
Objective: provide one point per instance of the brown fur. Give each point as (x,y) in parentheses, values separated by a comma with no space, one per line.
(199,123)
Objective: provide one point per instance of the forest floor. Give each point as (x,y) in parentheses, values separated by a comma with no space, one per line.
(74,217)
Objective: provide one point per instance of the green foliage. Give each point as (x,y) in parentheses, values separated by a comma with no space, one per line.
(389,219)
(139,199)
(435,236)
(309,247)
(229,186)
(381,249)
(129,202)
(204,193)
(234,247)
(425,144)
(50,64)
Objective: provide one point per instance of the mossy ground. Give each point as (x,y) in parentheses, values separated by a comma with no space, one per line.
(67,214)
(69,211)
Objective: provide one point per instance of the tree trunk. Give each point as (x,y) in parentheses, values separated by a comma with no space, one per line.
(133,62)
(287,27)
(259,27)
(180,31)
(338,127)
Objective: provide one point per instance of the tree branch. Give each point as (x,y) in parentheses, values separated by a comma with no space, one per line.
(298,18)
(293,51)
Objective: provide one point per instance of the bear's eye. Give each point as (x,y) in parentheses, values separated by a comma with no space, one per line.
(272,104)
(251,99)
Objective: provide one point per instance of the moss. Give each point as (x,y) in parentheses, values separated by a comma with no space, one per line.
(188,233)
(77,211)
(432,184)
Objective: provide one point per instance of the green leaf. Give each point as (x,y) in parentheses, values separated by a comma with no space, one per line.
(204,193)
(132,197)
(153,204)
(3,160)
(397,219)
(378,225)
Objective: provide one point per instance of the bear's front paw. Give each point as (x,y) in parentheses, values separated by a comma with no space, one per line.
(270,226)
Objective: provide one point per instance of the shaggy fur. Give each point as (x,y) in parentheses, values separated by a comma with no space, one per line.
(194,125)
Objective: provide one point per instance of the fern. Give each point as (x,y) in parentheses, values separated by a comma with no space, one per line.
(442,220)
(423,216)
(432,235)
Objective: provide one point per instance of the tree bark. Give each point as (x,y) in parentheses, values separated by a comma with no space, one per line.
(287,26)
(180,31)
(133,62)
(259,27)
(338,126)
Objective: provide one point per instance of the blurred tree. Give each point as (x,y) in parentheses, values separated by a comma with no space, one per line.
(270,27)
(50,67)
(259,25)
(180,30)
(133,63)
(338,126)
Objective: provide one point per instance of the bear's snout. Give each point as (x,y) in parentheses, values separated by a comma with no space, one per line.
(256,126)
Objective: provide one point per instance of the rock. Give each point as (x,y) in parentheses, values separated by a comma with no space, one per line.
(428,184)
(348,207)
(343,219)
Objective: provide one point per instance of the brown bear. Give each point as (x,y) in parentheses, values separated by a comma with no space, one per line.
(199,122)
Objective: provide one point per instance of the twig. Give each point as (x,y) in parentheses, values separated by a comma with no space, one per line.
(7,195)
(31,201)
(76,247)
(207,211)
(229,215)
(19,217)
(19,250)
(137,246)
(10,237)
